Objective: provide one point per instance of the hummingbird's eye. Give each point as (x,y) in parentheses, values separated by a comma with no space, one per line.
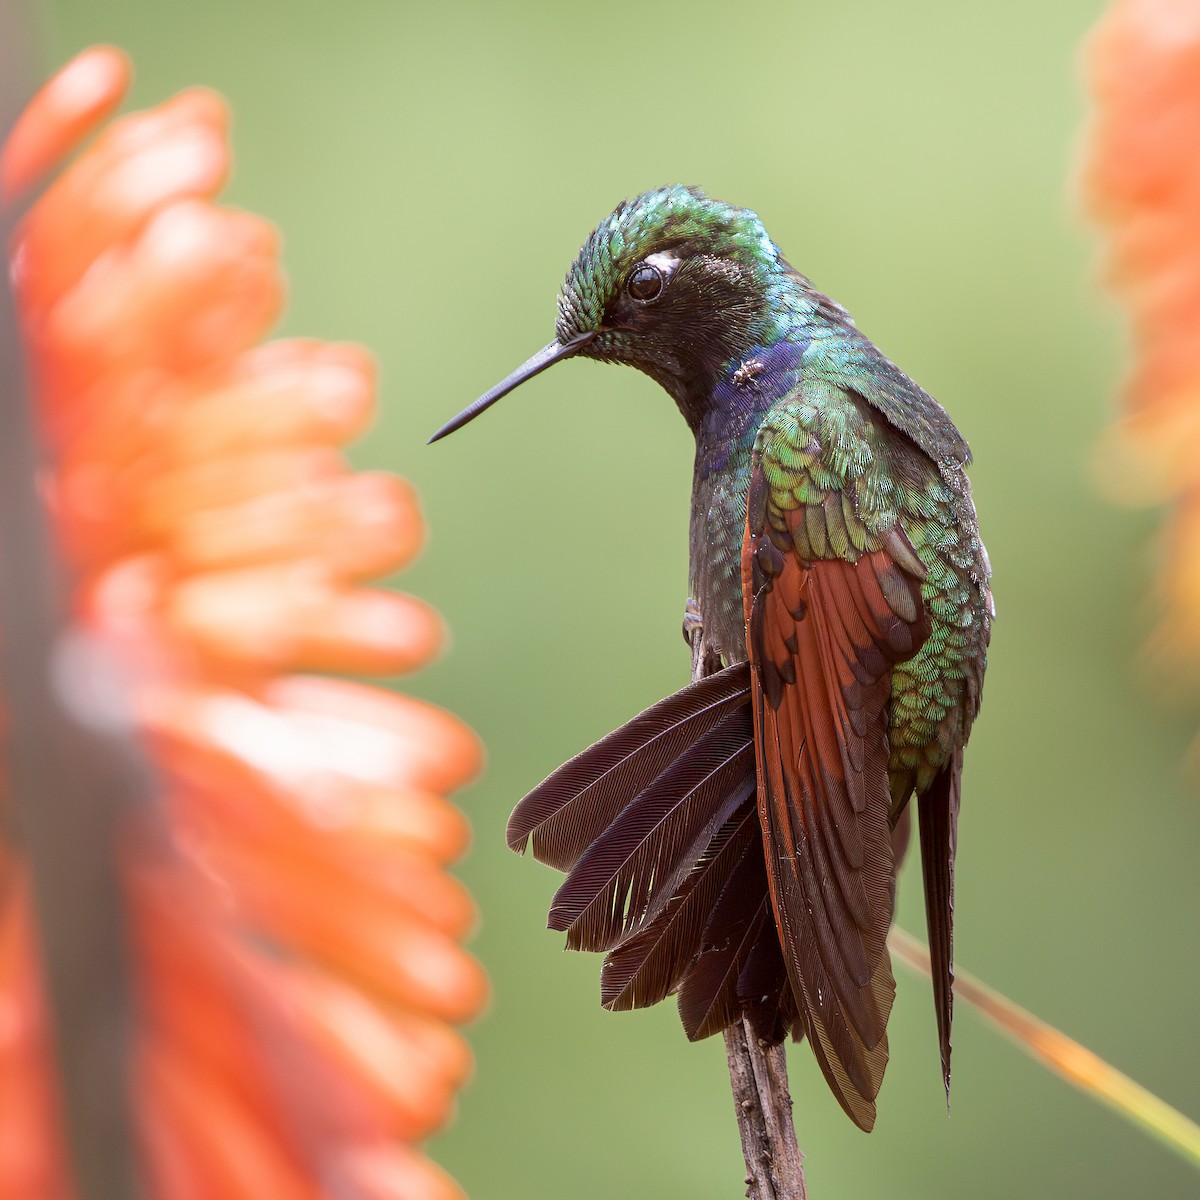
(645,283)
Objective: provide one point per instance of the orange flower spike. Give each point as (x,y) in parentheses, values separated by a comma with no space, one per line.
(1144,58)
(73,103)
(1142,183)
(216,534)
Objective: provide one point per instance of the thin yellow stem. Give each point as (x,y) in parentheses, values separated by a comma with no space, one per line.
(1075,1063)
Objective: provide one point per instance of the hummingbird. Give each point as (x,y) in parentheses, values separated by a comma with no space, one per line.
(736,844)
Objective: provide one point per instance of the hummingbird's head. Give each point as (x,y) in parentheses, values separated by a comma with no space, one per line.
(673,283)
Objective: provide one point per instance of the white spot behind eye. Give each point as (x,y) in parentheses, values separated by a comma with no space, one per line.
(665,261)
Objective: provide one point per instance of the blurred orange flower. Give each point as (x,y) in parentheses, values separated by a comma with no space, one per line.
(1142,183)
(297,951)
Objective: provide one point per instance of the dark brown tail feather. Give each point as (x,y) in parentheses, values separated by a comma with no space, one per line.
(657,826)
(629,873)
(937,812)
(568,810)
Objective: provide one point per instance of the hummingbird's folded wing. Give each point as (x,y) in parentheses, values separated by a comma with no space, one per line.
(833,602)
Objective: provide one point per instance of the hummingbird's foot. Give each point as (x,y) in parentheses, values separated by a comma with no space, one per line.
(693,622)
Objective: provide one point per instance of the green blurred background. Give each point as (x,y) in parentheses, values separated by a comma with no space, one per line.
(433,169)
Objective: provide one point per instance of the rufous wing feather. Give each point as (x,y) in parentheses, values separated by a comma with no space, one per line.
(823,636)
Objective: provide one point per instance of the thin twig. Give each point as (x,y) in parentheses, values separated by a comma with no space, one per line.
(758,1076)
(1064,1056)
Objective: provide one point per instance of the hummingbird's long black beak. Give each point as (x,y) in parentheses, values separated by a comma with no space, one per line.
(547,356)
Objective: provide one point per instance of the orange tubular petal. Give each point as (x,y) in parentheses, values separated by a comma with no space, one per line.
(84,93)
(283,393)
(435,1042)
(386,817)
(288,395)
(376,526)
(249,615)
(358,525)
(139,165)
(1141,181)
(207,1006)
(235,821)
(107,441)
(1144,59)
(441,1042)
(420,745)
(192,1008)
(396,956)
(197,287)
(169,498)
(187,992)
(123,601)
(204,1134)
(406,887)
(293,615)
(363,632)
(1142,185)
(377,821)
(398,1173)
(415,1087)
(204,742)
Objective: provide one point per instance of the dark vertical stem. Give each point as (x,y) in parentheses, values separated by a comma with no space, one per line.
(68,780)
(758,1076)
